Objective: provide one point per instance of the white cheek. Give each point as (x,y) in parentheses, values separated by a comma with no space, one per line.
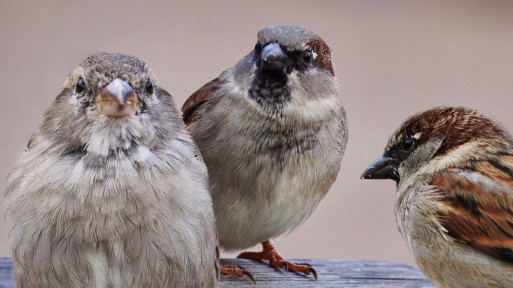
(310,108)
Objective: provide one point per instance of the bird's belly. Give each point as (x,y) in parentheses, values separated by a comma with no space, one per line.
(265,214)
(266,186)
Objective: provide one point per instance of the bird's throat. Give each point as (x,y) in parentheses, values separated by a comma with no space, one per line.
(270,90)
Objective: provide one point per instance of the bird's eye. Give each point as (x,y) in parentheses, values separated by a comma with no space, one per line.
(408,144)
(81,86)
(307,56)
(149,86)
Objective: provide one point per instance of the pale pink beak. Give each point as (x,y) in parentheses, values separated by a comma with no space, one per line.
(117,99)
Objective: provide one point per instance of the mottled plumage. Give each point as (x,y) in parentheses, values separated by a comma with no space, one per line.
(98,200)
(454,208)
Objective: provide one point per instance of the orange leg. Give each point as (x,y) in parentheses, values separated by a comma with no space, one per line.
(236,270)
(275,260)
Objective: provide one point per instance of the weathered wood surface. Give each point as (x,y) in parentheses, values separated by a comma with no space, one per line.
(332,273)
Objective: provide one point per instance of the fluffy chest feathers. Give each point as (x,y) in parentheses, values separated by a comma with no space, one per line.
(271,168)
(118,185)
(244,141)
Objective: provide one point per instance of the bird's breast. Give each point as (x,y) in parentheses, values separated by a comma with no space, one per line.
(266,183)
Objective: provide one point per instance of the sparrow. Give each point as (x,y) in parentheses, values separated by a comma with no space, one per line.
(454,206)
(272,131)
(110,191)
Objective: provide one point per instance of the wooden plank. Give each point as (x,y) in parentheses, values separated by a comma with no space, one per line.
(332,273)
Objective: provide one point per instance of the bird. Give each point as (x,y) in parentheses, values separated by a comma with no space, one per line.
(272,131)
(110,191)
(453,167)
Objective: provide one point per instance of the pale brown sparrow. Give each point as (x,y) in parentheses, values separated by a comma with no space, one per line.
(272,131)
(109,192)
(454,173)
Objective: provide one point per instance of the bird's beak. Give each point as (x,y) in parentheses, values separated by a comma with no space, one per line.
(273,58)
(383,168)
(117,99)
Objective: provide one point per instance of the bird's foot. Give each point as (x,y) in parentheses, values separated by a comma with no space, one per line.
(236,270)
(275,260)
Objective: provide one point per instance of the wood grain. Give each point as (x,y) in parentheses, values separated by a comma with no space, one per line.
(331,273)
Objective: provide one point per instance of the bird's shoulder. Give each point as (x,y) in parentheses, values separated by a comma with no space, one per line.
(198,99)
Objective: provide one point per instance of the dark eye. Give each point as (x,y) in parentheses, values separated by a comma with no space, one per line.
(149,86)
(307,56)
(81,86)
(408,144)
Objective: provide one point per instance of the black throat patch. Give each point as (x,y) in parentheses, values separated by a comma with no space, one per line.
(270,90)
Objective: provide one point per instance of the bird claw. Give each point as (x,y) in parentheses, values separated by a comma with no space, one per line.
(297,268)
(312,270)
(236,270)
(253,279)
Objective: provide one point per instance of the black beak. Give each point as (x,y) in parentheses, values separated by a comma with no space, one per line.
(383,168)
(273,58)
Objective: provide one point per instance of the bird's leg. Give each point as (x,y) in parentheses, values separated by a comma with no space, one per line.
(235,270)
(275,260)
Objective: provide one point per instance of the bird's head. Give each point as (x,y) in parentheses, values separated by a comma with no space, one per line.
(287,60)
(111,84)
(437,134)
(110,101)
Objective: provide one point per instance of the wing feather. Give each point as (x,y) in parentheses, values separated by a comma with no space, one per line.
(477,204)
(198,99)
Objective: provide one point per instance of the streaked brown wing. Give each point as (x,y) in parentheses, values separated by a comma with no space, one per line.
(477,206)
(191,106)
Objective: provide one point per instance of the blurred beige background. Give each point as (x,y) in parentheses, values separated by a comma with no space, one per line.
(392,58)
